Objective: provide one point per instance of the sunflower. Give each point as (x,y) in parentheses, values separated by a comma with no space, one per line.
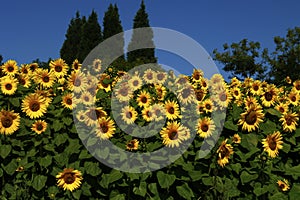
(208,106)
(33,66)
(103,84)
(161,91)
(251,118)
(123,92)
(269,96)
(186,95)
(24,70)
(205,127)
(9,85)
(129,115)
(39,126)
(24,81)
(92,115)
(81,116)
(200,108)
(296,85)
(283,185)
(161,77)
(69,179)
(77,82)
(288,80)
(181,80)
(256,88)
(197,75)
(132,145)
(236,138)
(149,76)
(143,99)
(172,109)
(172,134)
(67,101)
(272,144)
(86,98)
(10,67)
(200,94)
(97,65)
(294,98)
(59,67)
(158,111)
(236,93)
(135,82)
(216,79)
(44,78)
(76,65)
(106,128)
(289,121)
(235,82)
(147,114)
(34,105)
(251,101)
(224,152)
(9,122)
(248,82)
(222,98)
(282,107)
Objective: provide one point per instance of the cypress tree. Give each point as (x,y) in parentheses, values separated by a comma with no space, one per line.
(70,47)
(141,56)
(91,36)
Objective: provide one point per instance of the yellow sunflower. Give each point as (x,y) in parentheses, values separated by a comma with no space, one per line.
(123,92)
(289,121)
(216,79)
(10,67)
(269,95)
(197,75)
(272,144)
(39,126)
(172,109)
(256,88)
(77,82)
(283,185)
(187,95)
(69,179)
(224,152)
(97,65)
(251,101)
(91,116)
(144,99)
(34,105)
(132,145)
(158,111)
(9,85)
(87,99)
(149,76)
(172,134)
(251,118)
(160,91)
(24,81)
(236,138)
(181,80)
(106,128)
(128,114)
(294,98)
(67,101)
(102,85)
(288,80)
(205,127)
(208,106)
(222,98)
(76,65)
(235,82)
(59,67)
(282,107)
(236,93)
(9,122)
(45,78)
(296,85)
(135,82)
(33,66)
(24,70)
(161,77)
(147,114)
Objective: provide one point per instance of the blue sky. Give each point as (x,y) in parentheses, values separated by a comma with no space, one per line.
(36,29)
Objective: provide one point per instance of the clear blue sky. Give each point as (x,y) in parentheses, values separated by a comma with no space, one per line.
(36,29)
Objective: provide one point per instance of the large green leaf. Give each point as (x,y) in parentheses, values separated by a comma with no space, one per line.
(113,176)
(11,167)
(185,191)
(231,126)
(39,181)
(5,150)
(165,180)
(92,168)
(141,190)
(247,177)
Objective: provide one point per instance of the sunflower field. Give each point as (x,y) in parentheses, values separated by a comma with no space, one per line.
(56,123)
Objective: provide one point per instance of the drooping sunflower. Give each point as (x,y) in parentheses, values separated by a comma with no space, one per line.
(224,152)
(197,75)
(128,114)
(33,66)
(10,67)
(59,67)
(77,82)
(102,82)
(106,128)
(76,65)
(256,88)
(135,82)
(236,138)
(69,179)
(67,101)
(269,95)
(9,122)
(9,85)
(132,145)
(200,94)
(24,81)
(39,126)
(44,78)
(251,118)
(205,127)
(149,76)
(272,144)
(172,134)
(144,99)
(172,109)
(283,185)
(289,121)
(34,105)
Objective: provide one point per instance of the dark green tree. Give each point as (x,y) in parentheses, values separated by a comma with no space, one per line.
(112,26)
(144,38)
(243,59)
(285,60)
(91,36)
(1,59)
(70,47)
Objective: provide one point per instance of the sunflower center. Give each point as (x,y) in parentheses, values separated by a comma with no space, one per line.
(272,144)
(281,109)
(8,86)
(298,86)
(34,106)
(293,98)
(268,96)
(86,98)
(236,93)
(186,93)
(7,122)
(144,99)
(39,127)
(10,68)
(196,76)
(173,135)
(76,66)
(129,115)
(22,81)
(204,127)
(104,128)
(289,121)
(171,110)
(160,77)
(46,79)
(58,68)
(25,71)
(223,97)
(77,82)
(150,76)
(208,106)
(124,92)
(69,101)
(224,152)
(69,178)
(130,145)
(251,118)
(199,95)
(135,83)
(99,114)
(255,87)
(204,84)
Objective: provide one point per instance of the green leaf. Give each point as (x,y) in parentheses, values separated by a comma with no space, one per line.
(117,197)
(91,141)
(195,175)
(231,126)
(9,188)
(110,178)
(207,181)
(84,154)
(92,168)
(141,190)
(236,112)
(45,161)
(273,112)
(279,196)
(67,120)
(230,187)
(76,194)
(293,171)
(11,167)
(236,167)
(165,180)
(57,125)
(60,138)
(5,150)
(246,177)
(39,182)
(153,188)
(294,193)
(14,101)
(286,148)
(185,191)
